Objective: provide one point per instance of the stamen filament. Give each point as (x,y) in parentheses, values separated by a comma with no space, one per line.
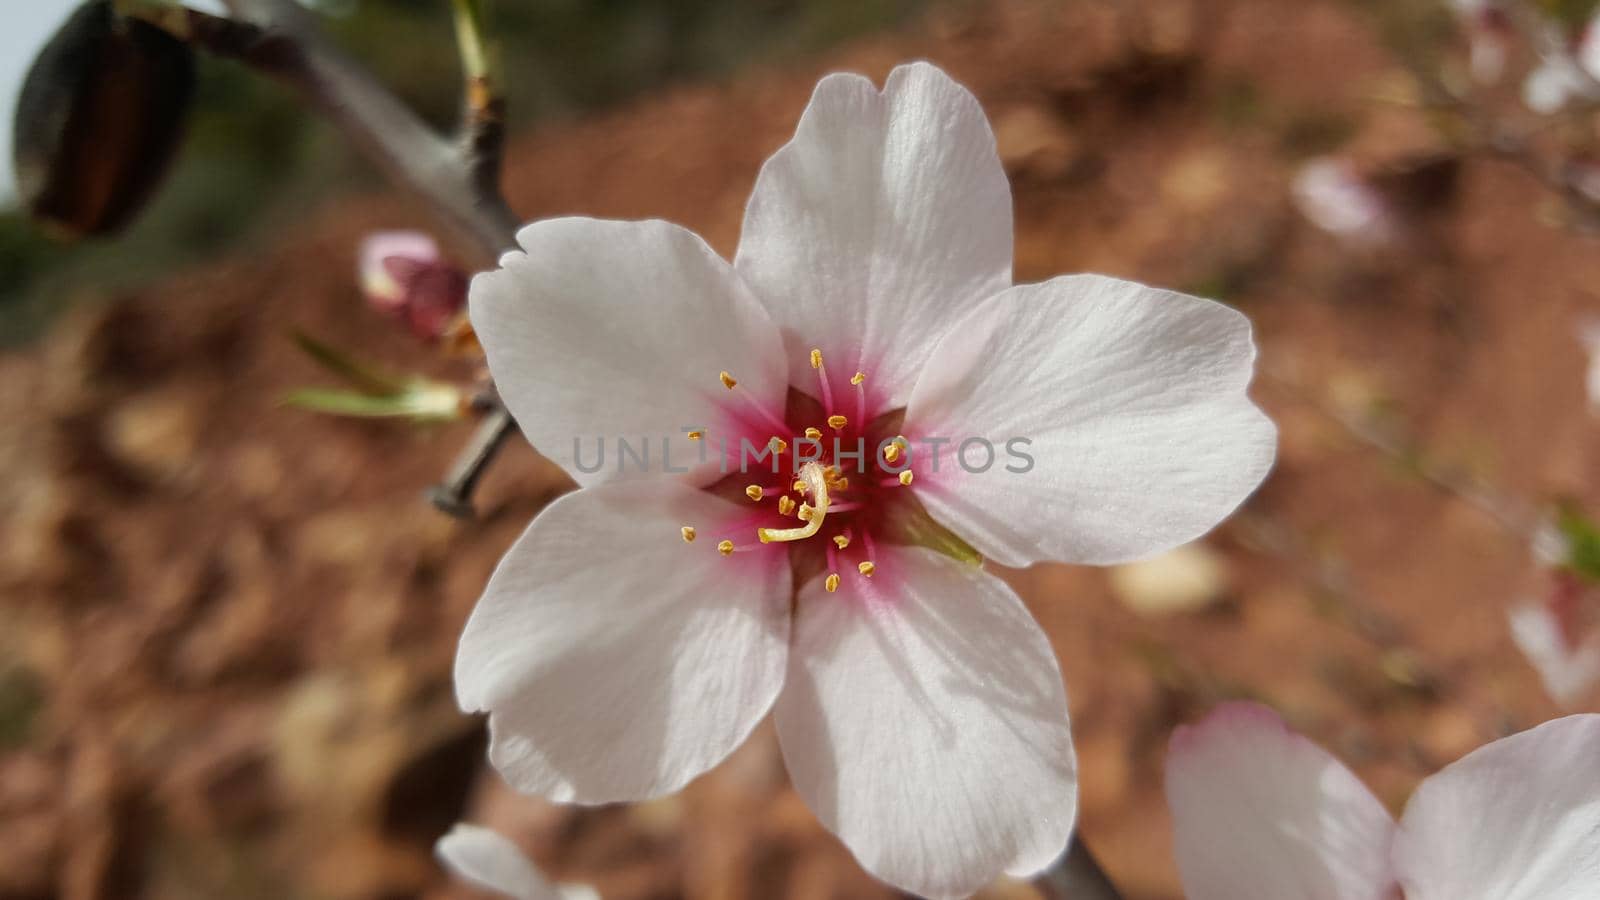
(822,376)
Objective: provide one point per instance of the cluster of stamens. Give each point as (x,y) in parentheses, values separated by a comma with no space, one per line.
(818,489)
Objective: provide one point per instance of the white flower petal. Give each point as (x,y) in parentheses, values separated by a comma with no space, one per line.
(1518,819)
(600,330)
(884,218)
(926,725)
(486,859)
(1133,399)
(1261,813)
(616,661)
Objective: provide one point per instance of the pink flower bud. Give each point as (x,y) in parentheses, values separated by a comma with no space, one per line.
(404,275)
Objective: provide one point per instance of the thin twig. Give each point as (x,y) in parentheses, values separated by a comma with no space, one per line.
(1511,514)
(454,494)
(483,107)
(1076,876)
(282,40)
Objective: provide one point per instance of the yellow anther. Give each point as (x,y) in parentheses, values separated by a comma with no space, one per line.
(725,548)
(891,452)
(785,505)
(811,475)
(727,380)
(858,377)
(830,473)
(840,484)
(837,422)
(753,492)
(905,477)
(814,433)
(806,512)
(688,533)
(696,435)
(778,444)
(816,359)
(841,541)
(799,486)
(867,568)
(831,582)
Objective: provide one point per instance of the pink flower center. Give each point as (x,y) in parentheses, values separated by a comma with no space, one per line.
(824,475)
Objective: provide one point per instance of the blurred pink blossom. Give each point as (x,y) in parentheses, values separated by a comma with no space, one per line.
(1555,630)
(404,275)
(1488,33)
(1261,813)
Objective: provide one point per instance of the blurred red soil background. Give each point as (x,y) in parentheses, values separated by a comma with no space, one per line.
(225,663)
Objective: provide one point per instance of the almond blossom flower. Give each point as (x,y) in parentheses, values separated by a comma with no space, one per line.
(1261,813)
(486,859)
(866,331)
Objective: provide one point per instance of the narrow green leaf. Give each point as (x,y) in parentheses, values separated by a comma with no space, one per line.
(368,378)
(422,402)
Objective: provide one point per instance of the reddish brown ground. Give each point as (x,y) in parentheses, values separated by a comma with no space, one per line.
(239,619)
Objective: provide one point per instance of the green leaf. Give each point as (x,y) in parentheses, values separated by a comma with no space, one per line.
(370,379)
(420,402)
(1574,14)
(1583,543)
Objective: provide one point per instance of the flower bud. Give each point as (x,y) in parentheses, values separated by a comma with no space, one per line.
(1335,198)
(99,119)
(404,275)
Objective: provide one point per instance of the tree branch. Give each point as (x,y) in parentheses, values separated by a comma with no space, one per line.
(1076,876)
(282,41)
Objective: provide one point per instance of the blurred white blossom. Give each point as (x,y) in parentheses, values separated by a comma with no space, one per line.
(1567,75)
(1568,664)
(488,860)
(1335,198)
(1589,336)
